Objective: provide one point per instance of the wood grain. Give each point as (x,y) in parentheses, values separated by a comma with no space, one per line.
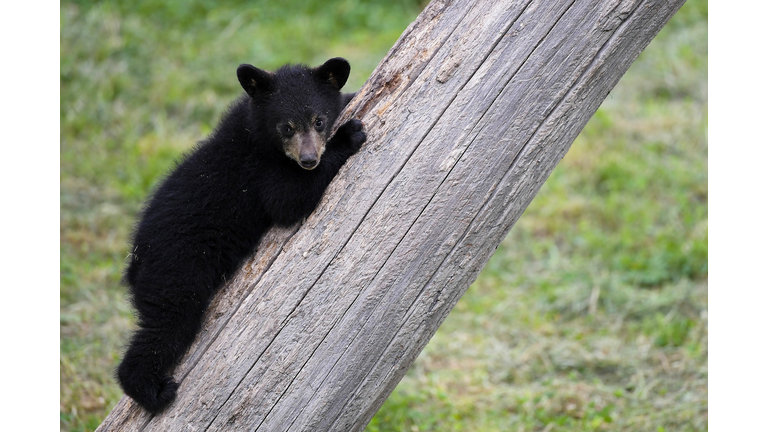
(466,116)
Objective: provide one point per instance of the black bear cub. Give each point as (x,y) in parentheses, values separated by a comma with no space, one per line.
(267,163)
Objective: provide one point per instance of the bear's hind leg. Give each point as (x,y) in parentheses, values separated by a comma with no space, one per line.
(141,376)
(168,328)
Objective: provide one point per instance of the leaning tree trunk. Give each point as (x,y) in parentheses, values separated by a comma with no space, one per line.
(466,117)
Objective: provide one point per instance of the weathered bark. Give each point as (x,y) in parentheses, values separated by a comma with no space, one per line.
(466,117)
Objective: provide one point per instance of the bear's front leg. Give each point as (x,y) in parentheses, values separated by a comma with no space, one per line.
(349,138)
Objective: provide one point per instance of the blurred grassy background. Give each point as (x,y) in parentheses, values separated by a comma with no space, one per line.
(592,314)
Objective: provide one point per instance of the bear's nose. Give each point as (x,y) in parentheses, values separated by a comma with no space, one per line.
(308,161)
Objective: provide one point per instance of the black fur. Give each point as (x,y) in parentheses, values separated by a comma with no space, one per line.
(209,214)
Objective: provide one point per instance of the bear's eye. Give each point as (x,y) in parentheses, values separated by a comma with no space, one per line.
(319,123)
(287,130)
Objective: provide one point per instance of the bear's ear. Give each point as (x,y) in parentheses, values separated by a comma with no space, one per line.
(334,71)
(254,80)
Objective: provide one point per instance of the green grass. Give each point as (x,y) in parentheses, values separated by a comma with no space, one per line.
(141,82)
(592,314)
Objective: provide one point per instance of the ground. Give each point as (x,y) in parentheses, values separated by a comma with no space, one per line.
(592,314)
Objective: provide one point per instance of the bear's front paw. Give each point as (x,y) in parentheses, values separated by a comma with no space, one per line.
(353,133)
(154,393)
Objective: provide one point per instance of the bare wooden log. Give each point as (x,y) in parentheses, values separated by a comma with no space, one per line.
(466,117)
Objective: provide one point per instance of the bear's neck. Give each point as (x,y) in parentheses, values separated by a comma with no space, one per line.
(238,130)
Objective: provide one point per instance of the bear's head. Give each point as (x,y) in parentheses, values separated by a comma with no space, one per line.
(296,106)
